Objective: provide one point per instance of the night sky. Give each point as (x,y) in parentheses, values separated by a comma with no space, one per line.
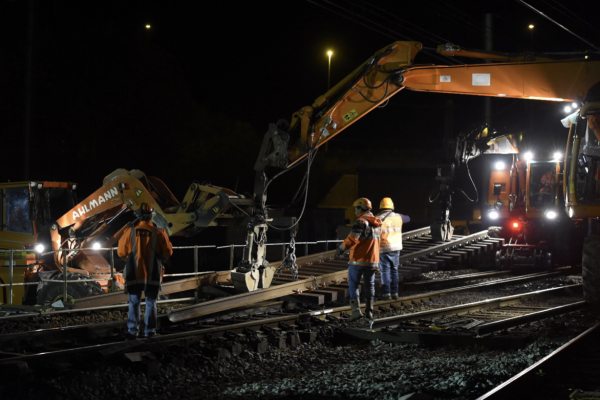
(190,98)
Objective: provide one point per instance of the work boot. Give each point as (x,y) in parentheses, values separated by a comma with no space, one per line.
(369,309)
(385,296)
(356,313)
(394,296)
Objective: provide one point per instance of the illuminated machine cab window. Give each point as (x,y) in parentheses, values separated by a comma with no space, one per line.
(16,207)
(542,185)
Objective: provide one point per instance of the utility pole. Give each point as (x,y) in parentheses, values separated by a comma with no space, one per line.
(488,47)
(28,90)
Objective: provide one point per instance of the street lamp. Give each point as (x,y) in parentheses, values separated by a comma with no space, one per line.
(531,26)
(329,53)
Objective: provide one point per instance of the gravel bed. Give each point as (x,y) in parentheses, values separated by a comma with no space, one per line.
(330,367)
(88,317)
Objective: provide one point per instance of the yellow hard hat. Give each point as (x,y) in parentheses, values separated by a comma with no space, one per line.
(363,202)
(386,202)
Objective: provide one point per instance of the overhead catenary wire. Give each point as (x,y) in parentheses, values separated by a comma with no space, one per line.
(557,24)
(571,15)
(370,25)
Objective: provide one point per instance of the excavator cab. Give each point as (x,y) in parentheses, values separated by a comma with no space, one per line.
(26,213)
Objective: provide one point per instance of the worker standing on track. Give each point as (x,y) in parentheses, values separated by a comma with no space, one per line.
(145,248)
(363,243)
(389,248)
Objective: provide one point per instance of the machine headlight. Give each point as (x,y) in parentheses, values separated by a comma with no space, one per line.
(39,248)
(551,214)
(493,214)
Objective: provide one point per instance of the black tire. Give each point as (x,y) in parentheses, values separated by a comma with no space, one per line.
(49,292)
(591,269)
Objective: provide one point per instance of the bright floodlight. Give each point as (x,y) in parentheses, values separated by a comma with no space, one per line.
(574,105)
(329,53)
(500,165)
(148,26)
(494,214)
(551,214)
(531,26)
(557,156)
(39,248)
(528,156)
(96,246)
(568,109)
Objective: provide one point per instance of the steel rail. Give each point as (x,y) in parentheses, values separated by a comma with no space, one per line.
(6,339)
(530,317)
(284,289)
(97,330)
(529,380)
(469,307)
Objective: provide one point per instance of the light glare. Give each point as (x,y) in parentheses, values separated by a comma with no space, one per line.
(500,165)
(574,105)
(528,156)
(557,156)
(148,26)
(568,109)
(39,248)
(493,214)
(551,214)
(96,246)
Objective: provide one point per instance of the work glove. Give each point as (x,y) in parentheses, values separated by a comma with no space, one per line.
(339,251)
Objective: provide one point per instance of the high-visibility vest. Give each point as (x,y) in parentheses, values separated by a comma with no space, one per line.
(391,231)
(146,246)
(363,241)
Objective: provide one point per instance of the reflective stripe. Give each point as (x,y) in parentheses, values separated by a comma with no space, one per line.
(392,230)
(364,264)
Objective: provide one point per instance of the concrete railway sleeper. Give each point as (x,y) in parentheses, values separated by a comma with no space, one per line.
(266,318)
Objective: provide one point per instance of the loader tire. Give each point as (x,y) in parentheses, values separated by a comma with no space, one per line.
(49,292)
(591,269)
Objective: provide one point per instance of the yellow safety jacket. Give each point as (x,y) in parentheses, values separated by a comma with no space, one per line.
(391,231)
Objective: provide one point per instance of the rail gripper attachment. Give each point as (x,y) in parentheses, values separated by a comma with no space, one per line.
(441,231)
(250,280)
(244,282)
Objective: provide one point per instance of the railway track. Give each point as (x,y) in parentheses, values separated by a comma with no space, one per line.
(266,322)
(570,372)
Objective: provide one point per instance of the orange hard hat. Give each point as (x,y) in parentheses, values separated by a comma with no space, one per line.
(363,203)
(145,210)
(386,202)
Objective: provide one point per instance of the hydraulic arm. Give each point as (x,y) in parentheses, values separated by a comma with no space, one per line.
(387,72)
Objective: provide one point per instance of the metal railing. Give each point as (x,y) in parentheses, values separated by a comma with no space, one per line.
(11,284)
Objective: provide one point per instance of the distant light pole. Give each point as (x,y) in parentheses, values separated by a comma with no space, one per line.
(329,53)
(531,26)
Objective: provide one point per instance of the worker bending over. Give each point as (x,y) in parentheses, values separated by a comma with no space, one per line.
(145,248)
(389,248)
(363,243)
